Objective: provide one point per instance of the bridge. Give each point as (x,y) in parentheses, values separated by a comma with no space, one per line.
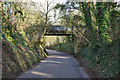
(62,31)
(58,31)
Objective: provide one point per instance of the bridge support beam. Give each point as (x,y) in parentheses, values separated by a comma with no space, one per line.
(75,45)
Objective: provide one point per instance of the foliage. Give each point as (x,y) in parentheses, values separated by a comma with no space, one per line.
(21,33)
(64,47)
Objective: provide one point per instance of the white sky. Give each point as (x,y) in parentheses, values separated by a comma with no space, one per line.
(44,7)
(56,1)
(59,0)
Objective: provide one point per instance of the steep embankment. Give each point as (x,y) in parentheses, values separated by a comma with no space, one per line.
(102,61)
(18,56)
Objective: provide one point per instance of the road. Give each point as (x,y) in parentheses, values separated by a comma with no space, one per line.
(56,65)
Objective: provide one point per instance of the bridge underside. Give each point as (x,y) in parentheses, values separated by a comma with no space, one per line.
(62,31)
(58,31)
(57,34)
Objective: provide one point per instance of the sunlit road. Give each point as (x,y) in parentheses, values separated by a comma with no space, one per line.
(57,65)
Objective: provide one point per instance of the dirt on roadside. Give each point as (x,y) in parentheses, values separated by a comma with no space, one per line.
(91,73)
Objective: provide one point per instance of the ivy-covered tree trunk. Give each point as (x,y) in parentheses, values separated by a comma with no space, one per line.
(88,21)
(103,23)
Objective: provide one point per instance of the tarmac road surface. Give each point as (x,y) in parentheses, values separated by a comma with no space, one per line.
(56,65)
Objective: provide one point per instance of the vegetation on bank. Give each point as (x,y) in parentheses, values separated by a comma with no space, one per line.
(18,56)
(22,30)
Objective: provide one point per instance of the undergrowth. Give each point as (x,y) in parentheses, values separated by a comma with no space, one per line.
(104,60)
(17,55)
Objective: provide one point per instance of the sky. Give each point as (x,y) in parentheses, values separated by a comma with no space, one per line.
(44,7)
(60,1)
(56,1)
